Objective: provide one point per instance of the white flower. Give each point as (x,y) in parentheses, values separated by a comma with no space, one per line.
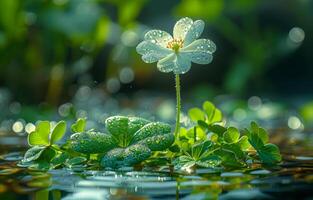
(175,54)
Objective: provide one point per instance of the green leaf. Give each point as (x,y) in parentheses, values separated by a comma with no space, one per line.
(33,153)
(263,135)
(41,165)
(236,149)
(118,128)
(59,159)
(130,156)
(196,114)
(41,135)
(198,149)
(219,130)
(184,162)
(213,114)
(136,123)
(58,132)
(76,161)
(244,143)
(48,154)
(79,126)
(196,132)
(151,129)
(203,124)
(92,142)
(209,161)
(258,137)
(269,154)
(159,142)
(229,159)
(231,135)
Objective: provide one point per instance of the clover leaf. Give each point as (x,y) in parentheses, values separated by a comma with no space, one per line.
(44,136)
(79,125)
(231,135)
(268,153)
(209,114)
(200,154)
(128,141)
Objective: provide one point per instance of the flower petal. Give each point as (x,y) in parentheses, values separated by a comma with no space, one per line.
(174,62)
(199,51)
(158,37)
(194,32)
(183,64)
(152,52)
(181,28)
(167,64)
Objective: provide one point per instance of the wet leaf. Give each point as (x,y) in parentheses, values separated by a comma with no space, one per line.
(119,157)
(91,142)
(151,129)
(158,142)
(59,159)
(209,161)
(33,153)
(40,165)
(76,161)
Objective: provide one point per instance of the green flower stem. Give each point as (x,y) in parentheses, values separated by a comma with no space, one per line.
(178,104)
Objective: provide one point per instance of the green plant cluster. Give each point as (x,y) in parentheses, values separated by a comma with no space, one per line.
(130,141)
(210,144)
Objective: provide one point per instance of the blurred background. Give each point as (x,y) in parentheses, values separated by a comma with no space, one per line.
(74,58)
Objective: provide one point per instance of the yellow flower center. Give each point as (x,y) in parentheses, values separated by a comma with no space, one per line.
(175,44)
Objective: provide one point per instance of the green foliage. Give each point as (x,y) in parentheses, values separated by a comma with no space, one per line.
(129,141)
(43,135)
(208,144)
(208,115)
(269,153)
(79,125)
(200,154)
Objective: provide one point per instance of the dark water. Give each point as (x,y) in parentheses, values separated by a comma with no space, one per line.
(293,179)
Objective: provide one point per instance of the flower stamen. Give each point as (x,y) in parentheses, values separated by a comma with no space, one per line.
(175,44)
